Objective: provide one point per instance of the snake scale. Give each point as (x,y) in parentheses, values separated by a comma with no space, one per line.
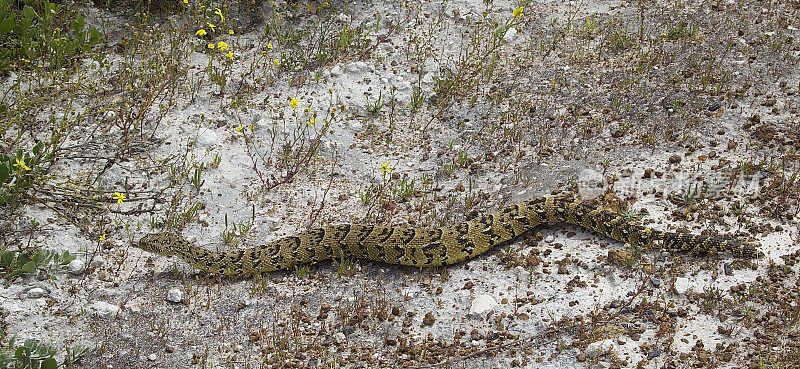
(433,246)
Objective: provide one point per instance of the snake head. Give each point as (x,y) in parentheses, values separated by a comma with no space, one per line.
(158,243)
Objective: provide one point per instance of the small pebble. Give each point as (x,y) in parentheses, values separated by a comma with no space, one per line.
(681,285)
(175,295)
(339,337)
(152,357)
(656,282)
(207,137)
(482,304)
(429,319)
(599,348)
(76,267)
(510,35)
(35,293)
(104,309)
(97,262)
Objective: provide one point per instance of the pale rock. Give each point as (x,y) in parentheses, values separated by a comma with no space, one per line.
(522,273)
(482,304)
(549,239)
(339,338)
(510,35)
(104,309)
(97,262)
(152,357)
(600,348)
(207,137)
(174,295)
(360,66)
(76,267)
(681,285)
(35,293)
(387,47)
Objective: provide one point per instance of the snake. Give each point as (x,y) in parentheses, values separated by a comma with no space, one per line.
(430,247)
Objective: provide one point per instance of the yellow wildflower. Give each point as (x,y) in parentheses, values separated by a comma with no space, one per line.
(19,163)
(210,46)
(293,102)
(385,168)
(185,1)
(239,128)
(269,46)
(276,62)
(219,12)
(263,52)
(517,12)
(200,32)
(119,197)
(222,45)
(313,121)
(229,55)
(102,237)
(211,25)
(230,31)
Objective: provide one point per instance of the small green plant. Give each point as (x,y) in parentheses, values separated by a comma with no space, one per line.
(692,193)
(417,99)
(347,267)
(632,215)
(374,107)
(680,30)
(239,230)
(30,355)
(302,270)
(217,160)
(404,188)
(197,182)
(18,173)
(15,263)
(34,355)
(30,34)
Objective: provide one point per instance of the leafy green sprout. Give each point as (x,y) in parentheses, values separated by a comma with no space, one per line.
(16,263)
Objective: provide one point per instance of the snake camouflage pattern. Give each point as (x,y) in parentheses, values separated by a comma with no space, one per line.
(432,246)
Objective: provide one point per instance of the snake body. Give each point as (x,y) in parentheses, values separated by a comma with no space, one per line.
(425,247)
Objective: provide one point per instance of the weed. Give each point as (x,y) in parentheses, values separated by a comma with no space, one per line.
(18,173)
(347,267)
(34,355)
(374,108)
(37,38)
(232,236)
(197,182)
(680,30)
(417,99)
(301,271)
(15,263)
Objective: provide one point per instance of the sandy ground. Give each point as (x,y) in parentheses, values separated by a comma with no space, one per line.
(615,100)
